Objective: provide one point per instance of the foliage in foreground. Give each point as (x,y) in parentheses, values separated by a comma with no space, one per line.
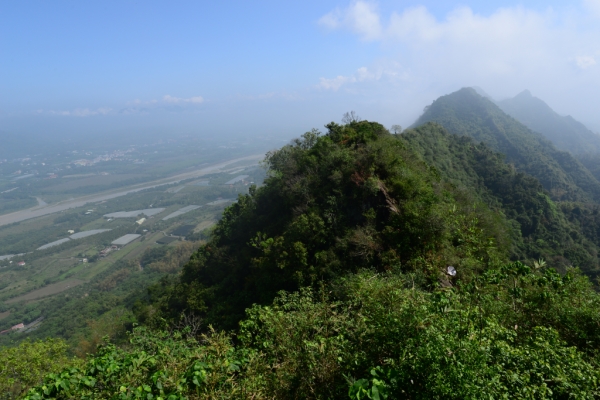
(513,332)
(26,365)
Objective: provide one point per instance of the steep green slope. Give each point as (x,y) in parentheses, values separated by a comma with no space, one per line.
(467,113)
(592,162)
(540,227)
(353,198)
(564,131)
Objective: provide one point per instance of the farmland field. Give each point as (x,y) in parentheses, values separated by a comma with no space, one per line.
(52,276)
(47,290)
(94,180)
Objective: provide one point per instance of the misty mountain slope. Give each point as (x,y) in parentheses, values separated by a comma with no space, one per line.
(467,113)
(592,162)
(539,228)
(565,132)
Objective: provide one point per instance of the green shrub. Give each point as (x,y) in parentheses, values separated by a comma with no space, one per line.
(26,364)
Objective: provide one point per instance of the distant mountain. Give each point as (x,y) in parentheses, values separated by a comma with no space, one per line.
(467,113)
(539,227)
(565,132)
(482,92)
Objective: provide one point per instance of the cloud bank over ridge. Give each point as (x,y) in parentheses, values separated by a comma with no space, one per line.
(552,53)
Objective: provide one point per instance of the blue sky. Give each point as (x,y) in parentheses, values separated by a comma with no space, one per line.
(281,68)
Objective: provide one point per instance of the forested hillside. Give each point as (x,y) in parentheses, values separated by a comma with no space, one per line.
(370,266)
(540,228)
(467,113)
(564,131)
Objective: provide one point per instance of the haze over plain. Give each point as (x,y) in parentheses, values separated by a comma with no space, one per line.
(274,68)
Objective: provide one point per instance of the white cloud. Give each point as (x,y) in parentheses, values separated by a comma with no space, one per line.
(78,112)
(361,17)
(593,6)
(175,100)
(335,83)
(416,26)
(584,62)
(332,20)
(389,71)
(504,52)
(138,102)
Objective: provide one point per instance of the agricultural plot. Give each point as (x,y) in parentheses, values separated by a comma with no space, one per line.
(237,179)
(167,240)
(81,235)
(56,269)
(181,212)
(183,230)
(74,182)
(149,212)
(204,225)
(47,290)
(52,244)
(220,201)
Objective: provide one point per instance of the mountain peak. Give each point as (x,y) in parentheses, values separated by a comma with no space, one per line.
(481,92)
(565,132)
(466,113)
(525,93)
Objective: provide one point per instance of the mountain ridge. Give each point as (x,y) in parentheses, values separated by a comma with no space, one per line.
(564,131)
(465,112)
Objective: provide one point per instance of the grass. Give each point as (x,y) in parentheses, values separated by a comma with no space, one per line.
(95,180)
(8,206)
(203,225)
(27,226)
(99,223)
(46,291)
(99,266)
(148,242)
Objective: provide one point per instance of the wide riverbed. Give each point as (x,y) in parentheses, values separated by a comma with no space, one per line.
(39,210)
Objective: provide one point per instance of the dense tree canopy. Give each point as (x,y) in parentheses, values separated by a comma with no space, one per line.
(353,198)
(466,113)
(563,234)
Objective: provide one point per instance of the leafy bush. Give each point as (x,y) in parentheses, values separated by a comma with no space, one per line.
(371,335)
(26,364)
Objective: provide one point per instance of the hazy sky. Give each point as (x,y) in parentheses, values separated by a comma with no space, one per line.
(282,67)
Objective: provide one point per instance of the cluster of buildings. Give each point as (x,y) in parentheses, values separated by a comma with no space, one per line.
(22,327)
(106,251)
(18,327)
(117,155)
